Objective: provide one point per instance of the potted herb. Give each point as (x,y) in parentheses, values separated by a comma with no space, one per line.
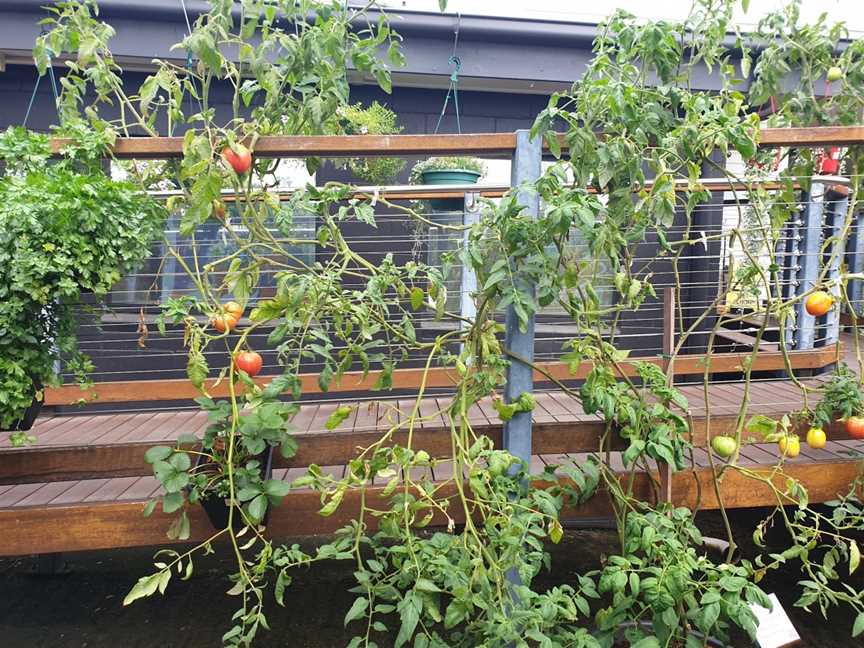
(375,119)
(438,171)
(66,228)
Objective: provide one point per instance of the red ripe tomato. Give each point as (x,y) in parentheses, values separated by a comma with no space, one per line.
(248,361)
(819,303)
(238,158)
(222,323)
(855,427)
(233,309)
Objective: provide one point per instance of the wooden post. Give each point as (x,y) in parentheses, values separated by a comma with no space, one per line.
(520,379)
(668,367)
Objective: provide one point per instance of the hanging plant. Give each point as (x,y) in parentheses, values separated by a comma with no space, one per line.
(375,119)
(66,228)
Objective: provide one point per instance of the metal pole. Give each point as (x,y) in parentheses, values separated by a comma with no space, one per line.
(836,216)
(520,377)
(855,264)
(470,216)
(803,335)
(664,468)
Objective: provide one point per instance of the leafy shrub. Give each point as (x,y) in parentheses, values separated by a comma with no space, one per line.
(65,228)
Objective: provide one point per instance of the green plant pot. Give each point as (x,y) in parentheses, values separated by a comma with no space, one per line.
(440,177)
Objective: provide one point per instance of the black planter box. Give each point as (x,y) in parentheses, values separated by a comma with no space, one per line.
(26,422)
(216,507)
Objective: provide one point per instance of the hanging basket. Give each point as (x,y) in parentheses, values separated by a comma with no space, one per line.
(441,177)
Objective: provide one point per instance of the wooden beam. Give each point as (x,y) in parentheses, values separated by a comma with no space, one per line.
(812,136)
(87,526)
(439,377)
(477,143)
(143,148)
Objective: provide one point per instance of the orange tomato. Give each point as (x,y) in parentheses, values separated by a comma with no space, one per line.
(222,323)
(819,303)
(233,309)
(219,209)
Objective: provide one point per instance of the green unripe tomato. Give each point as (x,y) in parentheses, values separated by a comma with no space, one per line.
(724,446)
(834,74)
(421,458)
(526,402)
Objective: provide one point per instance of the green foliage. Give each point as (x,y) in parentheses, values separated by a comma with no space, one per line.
(450,587)
(434,561)
(375,119)
(664,579)
(841,397)
(65,228)
(264,425)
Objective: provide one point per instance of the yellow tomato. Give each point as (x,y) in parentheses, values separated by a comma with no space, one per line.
(816,437)
(790,446)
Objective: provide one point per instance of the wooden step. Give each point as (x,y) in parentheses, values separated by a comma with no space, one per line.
(113,445)
(107,513)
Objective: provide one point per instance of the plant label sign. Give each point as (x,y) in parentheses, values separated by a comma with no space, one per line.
(775,629)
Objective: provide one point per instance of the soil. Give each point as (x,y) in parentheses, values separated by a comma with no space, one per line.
(82,606)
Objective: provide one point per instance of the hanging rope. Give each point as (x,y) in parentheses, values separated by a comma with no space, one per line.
(36,89)
(453,88)
(189,59)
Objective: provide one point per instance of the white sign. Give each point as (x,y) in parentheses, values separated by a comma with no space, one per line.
(775,629)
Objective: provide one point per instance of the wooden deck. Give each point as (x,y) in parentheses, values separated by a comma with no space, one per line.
(84,484)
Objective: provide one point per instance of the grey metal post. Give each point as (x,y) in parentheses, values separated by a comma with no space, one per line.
(855,264)
(470,216)
(802,335)
(836,216)
(520,377)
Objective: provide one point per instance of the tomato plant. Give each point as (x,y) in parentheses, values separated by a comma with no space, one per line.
(637,137)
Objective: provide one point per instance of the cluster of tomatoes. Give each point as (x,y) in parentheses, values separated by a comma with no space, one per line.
(790,445)
(226,321)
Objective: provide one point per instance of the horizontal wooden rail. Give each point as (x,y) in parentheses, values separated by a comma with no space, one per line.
(182,389)
(327,145)
(108,525)
(476,143)
(812,136)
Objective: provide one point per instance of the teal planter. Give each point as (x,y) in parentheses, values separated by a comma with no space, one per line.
(448,177)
